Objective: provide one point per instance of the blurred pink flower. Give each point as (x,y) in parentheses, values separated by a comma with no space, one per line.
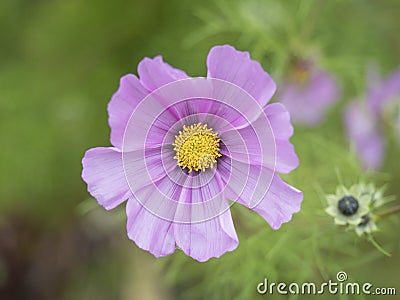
(365,121)
(308,93)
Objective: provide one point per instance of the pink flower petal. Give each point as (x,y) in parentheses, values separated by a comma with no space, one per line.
(254,143)
(286,157)
(149,231)
(150,226)
(227,63)
(154,73)
(209,238)
(279,118)
(104,174)
(280,203)
(147,166)
(261,190)
(121,106)
(246,183)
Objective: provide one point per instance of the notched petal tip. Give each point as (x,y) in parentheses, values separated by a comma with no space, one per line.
(278,114)
(154,73)
(148,231)
(209,239)
(296,208)
(280,203)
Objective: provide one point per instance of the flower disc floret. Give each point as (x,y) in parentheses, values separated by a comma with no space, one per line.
(197,147)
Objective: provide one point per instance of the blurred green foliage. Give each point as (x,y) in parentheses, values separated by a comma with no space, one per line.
(60,62)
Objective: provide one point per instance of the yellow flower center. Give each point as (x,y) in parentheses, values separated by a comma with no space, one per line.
(197,147)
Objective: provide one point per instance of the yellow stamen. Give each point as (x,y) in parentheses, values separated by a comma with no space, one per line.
(197,147)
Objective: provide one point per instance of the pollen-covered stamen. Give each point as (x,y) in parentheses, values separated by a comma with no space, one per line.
(197,147)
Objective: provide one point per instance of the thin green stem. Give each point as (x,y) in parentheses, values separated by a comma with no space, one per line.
(390,211)
(377,246)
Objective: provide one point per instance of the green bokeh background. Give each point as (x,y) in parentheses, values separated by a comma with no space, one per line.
(60,62)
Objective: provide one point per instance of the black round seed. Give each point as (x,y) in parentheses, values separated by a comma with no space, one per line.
(365,220)
(348,205)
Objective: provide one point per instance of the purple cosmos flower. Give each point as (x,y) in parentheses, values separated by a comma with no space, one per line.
(309,93)
(185,146)
(364,121)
